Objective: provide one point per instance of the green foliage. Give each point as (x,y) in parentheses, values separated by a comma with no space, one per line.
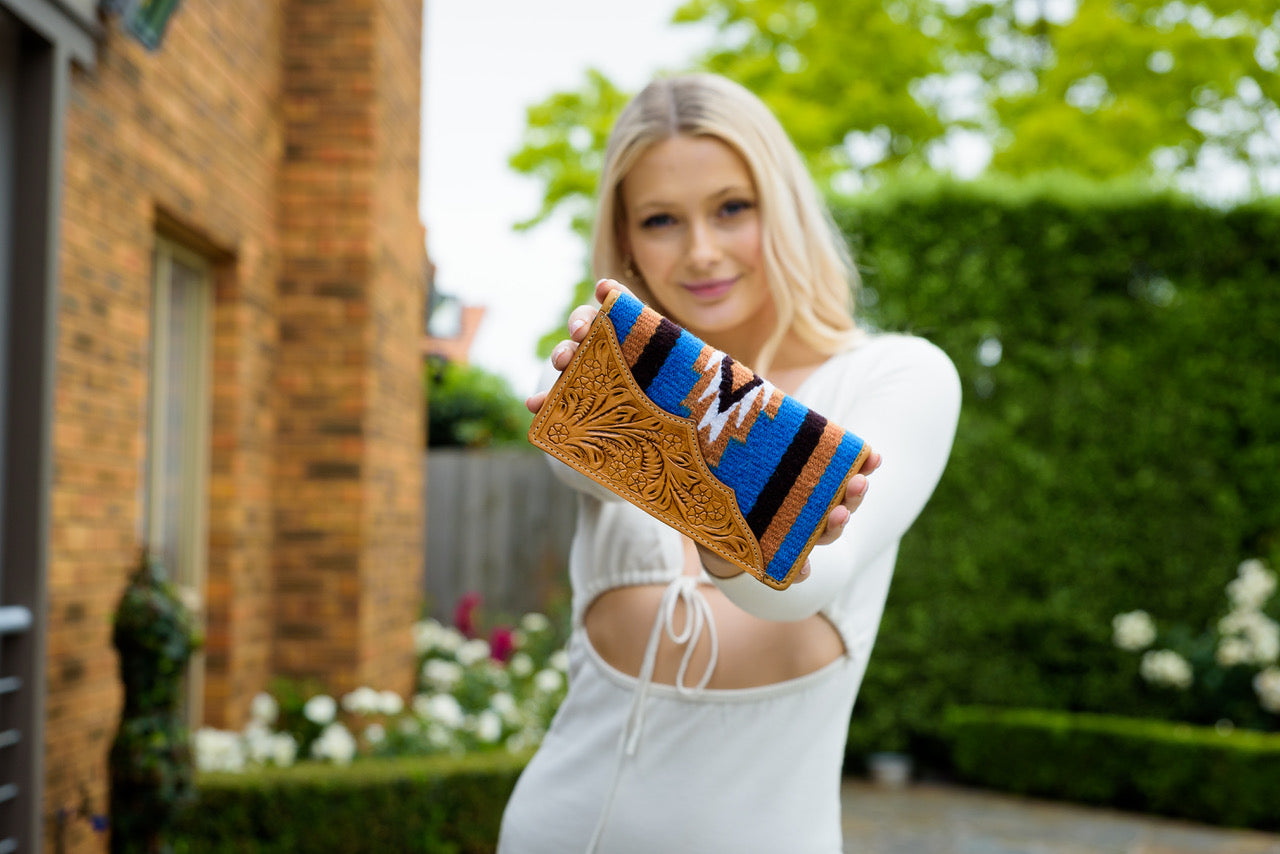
(441,805)
(1148,88)
(1096,92)
(471,408)
(291,696)
(1224,777)
(1117,446)
(150,759)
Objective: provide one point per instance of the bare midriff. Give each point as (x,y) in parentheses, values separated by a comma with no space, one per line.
(752,651)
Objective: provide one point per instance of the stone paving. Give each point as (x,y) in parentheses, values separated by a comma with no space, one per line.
(932,818)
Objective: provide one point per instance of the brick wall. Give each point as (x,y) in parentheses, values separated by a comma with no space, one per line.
(315,522)
(348,568)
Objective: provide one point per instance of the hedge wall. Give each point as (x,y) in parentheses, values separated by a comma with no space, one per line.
(1222,777)
(441,805)
(1119,445)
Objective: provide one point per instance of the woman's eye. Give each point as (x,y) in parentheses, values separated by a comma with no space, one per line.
(735,207)
(657,221)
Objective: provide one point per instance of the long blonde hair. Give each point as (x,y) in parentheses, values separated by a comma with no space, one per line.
(807,266)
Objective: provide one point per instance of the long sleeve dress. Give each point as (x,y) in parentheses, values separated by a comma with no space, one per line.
(632,766)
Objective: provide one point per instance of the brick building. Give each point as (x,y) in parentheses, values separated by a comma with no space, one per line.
(211,265)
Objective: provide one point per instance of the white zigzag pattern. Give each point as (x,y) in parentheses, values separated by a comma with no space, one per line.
(714,421)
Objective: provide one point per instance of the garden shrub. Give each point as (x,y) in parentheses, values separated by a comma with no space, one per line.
(469,407)
(1117,448)
(437,804)
(1223,776)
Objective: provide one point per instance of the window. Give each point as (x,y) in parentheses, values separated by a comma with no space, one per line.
(178,447)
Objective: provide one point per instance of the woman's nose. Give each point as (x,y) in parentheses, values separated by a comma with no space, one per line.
(704,247)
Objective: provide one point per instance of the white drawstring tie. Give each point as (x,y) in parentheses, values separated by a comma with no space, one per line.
(697,615)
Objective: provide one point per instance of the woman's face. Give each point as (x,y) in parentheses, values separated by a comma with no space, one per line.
(693,230)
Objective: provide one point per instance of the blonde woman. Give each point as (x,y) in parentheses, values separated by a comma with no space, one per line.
(707,712)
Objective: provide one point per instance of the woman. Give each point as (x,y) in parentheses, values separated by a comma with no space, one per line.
(707,712)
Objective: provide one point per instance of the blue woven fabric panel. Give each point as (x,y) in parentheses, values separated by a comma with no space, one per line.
(673,383)
(769,439)
(815,508)
(623,314)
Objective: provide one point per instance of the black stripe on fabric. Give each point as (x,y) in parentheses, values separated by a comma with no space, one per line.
(655,353)
(786,472)
(728,397)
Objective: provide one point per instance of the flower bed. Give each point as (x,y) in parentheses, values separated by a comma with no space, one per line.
(473,696)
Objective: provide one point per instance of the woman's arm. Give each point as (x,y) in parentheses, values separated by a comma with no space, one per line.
(905,404)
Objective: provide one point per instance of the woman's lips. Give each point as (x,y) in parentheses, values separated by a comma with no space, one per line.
(709,289)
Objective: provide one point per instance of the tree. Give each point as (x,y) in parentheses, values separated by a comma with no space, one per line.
(469,407)
(1160,90)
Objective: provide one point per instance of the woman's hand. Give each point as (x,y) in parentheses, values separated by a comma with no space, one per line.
(854,492)
(579,322)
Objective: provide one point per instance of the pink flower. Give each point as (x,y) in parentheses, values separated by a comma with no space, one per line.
(502,642)
(464,615)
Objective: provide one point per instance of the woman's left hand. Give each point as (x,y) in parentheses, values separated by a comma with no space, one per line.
(854,493)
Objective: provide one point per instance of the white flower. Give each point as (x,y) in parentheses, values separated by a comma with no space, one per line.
(390,703)
(505,705)
(439,736)
(218,750)
(448,639)
(1267,686)
(320,709)
(1133,630)
(533,622)
(445,709)
(264,709)
(472,652)
(1233,651)
(375,733)
(520,665)
(336,744)
(1166,667)
(361,701)
(559,660)
(1258,633)
(426,634)
(1252,586)
(548,681)
(284,750)
(258,743)
(441,674)
(488,726)
(408,725)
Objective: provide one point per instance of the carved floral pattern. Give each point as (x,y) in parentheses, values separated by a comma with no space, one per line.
(600,421)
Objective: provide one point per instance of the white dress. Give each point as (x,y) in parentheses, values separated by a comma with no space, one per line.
(632,766)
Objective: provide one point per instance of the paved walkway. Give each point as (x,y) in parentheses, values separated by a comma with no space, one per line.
(930,818)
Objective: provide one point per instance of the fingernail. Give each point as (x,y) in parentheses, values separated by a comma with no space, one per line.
(575,325)
(558,352)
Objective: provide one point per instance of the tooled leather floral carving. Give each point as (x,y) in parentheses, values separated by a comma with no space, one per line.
(614,434)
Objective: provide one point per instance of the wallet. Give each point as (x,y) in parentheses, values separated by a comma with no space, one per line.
(697,440)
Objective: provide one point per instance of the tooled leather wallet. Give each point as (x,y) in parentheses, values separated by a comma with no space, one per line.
(697,440)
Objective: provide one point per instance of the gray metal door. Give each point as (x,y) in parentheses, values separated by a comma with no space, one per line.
(15,620)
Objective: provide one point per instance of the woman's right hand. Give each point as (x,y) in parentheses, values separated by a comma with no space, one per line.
(579,323)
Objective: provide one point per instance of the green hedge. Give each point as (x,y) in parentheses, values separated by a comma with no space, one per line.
(1122,452)
(1228,778)
(442,805)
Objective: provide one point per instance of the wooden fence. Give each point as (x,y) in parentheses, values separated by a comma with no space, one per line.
(500,524)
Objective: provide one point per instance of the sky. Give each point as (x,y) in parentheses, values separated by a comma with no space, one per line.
(483,64)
